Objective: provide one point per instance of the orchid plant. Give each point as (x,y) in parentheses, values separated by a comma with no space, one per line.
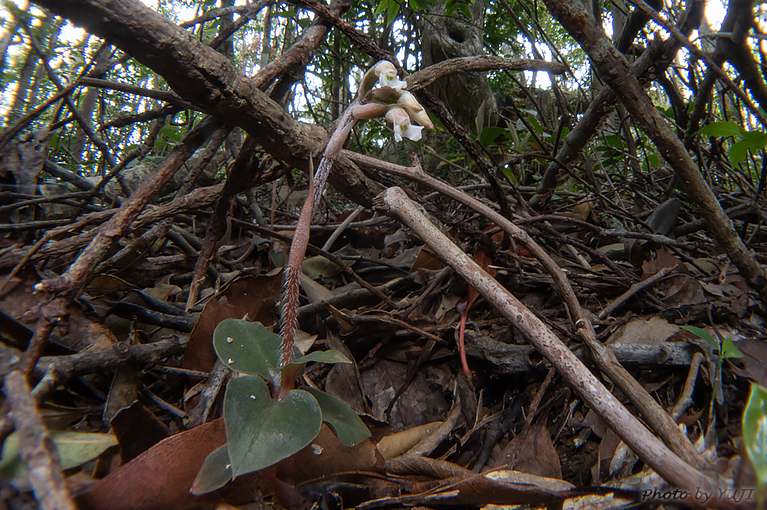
(381,94)
(267,420)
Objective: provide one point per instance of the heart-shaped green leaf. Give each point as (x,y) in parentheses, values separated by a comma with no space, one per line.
(247,347)
(330,356)
(215,472)
(346,424)
(261,431)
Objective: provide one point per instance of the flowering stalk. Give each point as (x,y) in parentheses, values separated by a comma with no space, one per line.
(381,94)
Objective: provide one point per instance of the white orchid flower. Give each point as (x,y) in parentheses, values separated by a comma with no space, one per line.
(402,126)
(387,76)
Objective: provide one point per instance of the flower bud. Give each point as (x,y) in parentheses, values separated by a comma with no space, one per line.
(370,110)
(414,109)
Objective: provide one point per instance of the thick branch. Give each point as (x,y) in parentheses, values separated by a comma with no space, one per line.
(657,56)
(426,77)
(196,72)
(614,70)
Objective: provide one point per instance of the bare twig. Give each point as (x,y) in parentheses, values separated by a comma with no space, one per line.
(605,359)
(632,431)
(343,226)
(637,287)
(37,448)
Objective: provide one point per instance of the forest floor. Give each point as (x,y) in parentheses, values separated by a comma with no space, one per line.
(135,366)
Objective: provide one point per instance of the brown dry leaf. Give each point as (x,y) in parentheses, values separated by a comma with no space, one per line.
(77,334)
(663,258)
(159,478)
(644,331)
(122,392)
(477,491)
(754,360)
(327,456)
(424,466)
(253,296)
(534,453)
(396,444)
(107,283)
(137,429)
(427,260)
(511,476)
(600,472)
(343,380)
(422,402)
(681,290)
(86,335)
(313,290)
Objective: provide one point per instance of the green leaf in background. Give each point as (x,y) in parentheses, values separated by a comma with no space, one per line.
(721,129)
(381,7)
(420,5)
(346,424)
(175,133)
(247,347)
(330,356)
(391,13)
(260,431)
(75,449)
(702,333)
(757,139)
(215,472)
(391,7)
(755,436)
(738,152)
(489,135)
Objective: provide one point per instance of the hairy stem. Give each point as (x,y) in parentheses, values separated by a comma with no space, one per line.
(299,243)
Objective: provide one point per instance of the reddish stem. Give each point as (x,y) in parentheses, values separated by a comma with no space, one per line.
(463,309)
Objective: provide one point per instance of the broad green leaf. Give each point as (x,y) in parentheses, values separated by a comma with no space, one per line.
(757,139)
(420,5)
(346,424)
(330,356)
(215,472)
(392,12)
(729,350)
(536,125)
(489,134)
(382,6)
(75,449)
(172,132)
(614,141)
(247,347)
(702,333)
(738,152)
(755,432)
(721,129)
(260,431)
